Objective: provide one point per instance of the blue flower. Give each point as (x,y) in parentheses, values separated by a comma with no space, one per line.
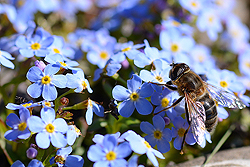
(58,46)
(60,61)
(19,127)
(126,49)
(93,107)
(109,153)
(33,163)
(140,146)
(78,81)
(63,159)
(178,131)
(209,21)
(72,133)
(244,63)
(4,59)
(133,97)
(177,45)
(159,75)
(157,133)
(48,129)
(193,6)
(34,46)
(151,54)
(162,100)
(45,82)
(225,79)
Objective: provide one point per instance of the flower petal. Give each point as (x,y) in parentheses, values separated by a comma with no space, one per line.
(126,108)
(35,90)
(43,140)
(58,140)
(143,106)
(120,93)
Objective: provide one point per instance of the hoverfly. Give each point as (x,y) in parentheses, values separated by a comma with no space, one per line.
(200,100)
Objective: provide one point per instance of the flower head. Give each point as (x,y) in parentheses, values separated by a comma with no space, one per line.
(133,97)
(48,129)
(109,153)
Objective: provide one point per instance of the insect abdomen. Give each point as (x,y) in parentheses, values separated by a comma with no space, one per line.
(210,110)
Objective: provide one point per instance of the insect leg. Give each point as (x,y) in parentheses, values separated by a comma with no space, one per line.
(173,105)
(189,123)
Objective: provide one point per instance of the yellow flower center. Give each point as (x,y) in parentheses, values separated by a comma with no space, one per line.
(126,49)
(111,155)
(223,84)
(159,78)
(174,47)
(56,50)
(59,159)
(210,19)
(104,55)
(164,102)
(46,79)
(147,144)
(27,104)
(247,64)
(22,126)
(134,96)
(201,58)
(90,103)
(50,128)
(47,104)
(84,85)
(158,134)
(35,46)
(175,23)
(181,132)
(63,64)
(194,4)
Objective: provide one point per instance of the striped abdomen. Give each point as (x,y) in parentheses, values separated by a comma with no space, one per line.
(210,109)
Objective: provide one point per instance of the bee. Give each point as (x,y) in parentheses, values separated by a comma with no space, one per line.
(200,100)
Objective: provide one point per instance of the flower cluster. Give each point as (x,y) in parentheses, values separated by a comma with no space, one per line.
(71,58)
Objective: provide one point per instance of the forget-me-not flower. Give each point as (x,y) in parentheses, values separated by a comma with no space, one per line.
(48,129)
(63,159)
(19,126)
(157,134)
(109,153)
(45,83)
(133,97)
(93,107)
(33,163)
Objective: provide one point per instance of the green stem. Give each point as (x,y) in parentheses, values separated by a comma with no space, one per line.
(57,101)
(118,78)
(221,142)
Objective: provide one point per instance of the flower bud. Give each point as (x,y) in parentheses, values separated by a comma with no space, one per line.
(31,153)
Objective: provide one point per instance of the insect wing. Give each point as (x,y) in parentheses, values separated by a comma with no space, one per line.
(197,116)
(224,98)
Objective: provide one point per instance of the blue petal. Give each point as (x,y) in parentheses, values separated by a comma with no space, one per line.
(123,150)
(24,134)
(27,53)
(167,134)
(109,142)
(21,42)
(34,74)
(35,90)
(71,136)
(43,140)
(126,108)
(59,81)
(89,115)
(51,69)
(64,151)
(12,119)
(178,142)
(11,135)
(120,93)
(151,140)
(47,42)
(36,124)
(146,90)
(143,106)
(158,122)
(5,62)
(49,92)
(58,140)
(152,158)
(95,153)
(17,164)
(60,125)
(147,128)
(98,109)
(163,146)
(134,83)
(48,115)
(35,163)
(74,160)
